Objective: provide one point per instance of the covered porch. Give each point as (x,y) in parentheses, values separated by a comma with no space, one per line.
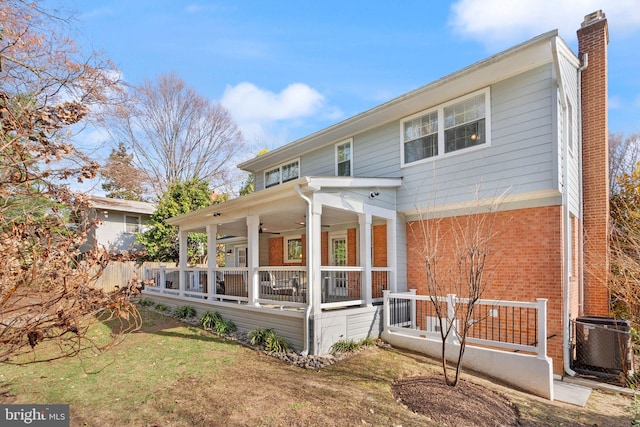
(315,248)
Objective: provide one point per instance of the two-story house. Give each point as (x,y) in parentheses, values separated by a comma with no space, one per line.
(332,223)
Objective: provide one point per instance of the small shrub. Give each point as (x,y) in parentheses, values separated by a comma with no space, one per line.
(184,312)
(145,302)
(344,346)
(276,344)
(161,307)
(224,326)
(209,319)
(368,342)
(259,336)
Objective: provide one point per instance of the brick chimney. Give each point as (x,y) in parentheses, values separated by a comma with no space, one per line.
(593,37)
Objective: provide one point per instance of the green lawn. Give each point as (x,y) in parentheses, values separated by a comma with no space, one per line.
(172,374)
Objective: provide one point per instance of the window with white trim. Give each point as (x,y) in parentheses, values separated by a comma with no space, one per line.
(450,127)
(569,120)
(283,173)
(343,159)
(132,224)
(293,249)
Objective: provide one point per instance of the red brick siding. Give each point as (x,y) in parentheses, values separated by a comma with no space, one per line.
(324,249)
(276,252)
(380,245)
(525,262)
(352,247)
(593,40)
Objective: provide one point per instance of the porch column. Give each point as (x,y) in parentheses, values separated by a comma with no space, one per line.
(314,255)
(392,255)
(253,257)
(365,256)
(212,260)
(183,255)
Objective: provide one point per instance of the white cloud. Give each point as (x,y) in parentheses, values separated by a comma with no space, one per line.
(614,103)
(499,23)
(256,110)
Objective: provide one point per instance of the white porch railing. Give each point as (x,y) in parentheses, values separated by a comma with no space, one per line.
(282,286)
(508,325)
(507,340)
(380,280)
(341,286)
(200,282)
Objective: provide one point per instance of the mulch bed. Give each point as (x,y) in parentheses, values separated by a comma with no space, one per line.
(466,404)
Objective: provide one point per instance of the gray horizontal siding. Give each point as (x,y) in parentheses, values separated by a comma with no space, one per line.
(377,152)
(321,162)
(570,81)
(365,325)
(287,324)
(519,159)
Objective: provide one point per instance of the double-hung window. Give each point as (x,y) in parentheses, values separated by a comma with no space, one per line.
(421,137)
(343,158)
(132,224)
(283,173)
(464,123)
(450,127)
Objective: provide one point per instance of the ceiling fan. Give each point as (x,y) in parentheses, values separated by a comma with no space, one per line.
(303,224)
(261,231)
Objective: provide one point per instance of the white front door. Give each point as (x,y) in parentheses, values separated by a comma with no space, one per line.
(241,256)
(338,286)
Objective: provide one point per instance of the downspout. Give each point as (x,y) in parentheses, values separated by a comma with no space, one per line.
(310,238)
(585,64)
(567,347)
(566,318)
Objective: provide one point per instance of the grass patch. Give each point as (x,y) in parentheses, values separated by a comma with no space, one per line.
(169,373)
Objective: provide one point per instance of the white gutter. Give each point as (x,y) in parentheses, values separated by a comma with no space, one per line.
(310,238)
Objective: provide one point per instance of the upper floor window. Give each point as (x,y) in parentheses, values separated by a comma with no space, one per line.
(464,123)
(450,127)
(132,224)
(421,137)
(343,159)
(283,173)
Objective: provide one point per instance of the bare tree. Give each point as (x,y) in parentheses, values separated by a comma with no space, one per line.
(624,154)
(456,252)
(624,246)
(176,134)
(46,288)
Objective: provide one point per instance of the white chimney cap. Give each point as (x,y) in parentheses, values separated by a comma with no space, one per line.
(592,18)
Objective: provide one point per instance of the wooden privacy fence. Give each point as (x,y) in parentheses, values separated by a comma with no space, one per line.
(118,273)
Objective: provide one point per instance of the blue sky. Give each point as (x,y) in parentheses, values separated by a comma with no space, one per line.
(285,69)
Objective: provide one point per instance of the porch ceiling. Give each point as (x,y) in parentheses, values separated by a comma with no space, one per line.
(291,219)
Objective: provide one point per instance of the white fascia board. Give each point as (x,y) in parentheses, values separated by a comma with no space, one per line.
(318,183)
(213,213)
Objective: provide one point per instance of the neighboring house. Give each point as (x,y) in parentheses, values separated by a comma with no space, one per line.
(119,221)
(331,223)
